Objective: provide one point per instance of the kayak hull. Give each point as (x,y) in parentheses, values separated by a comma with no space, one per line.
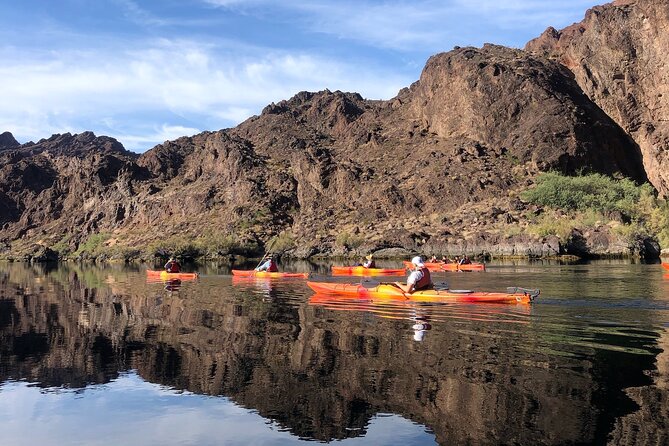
(272,275)
(362,271)
(392,292)
(665,265)
(436,267)
(164,275)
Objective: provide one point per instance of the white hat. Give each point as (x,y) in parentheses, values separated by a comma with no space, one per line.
(418,262)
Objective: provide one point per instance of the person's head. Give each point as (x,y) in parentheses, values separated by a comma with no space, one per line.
(369,257)
(172,259)
(417,262)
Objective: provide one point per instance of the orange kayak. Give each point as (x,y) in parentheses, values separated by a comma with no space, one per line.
(391,292)
(362,271)
(665,265)
(164,275)
(254,273)
(438,266)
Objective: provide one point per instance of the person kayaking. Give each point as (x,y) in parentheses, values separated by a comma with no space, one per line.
(465,260)
(172,266)
(268,265)
(369,263)
(419,279)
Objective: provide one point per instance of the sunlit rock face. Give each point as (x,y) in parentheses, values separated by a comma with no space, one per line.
(618,55)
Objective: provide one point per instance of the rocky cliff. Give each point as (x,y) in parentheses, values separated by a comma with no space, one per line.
(436,169)
(618,57)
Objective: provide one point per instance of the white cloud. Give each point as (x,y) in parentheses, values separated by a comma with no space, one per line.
(163,84)
(422,24)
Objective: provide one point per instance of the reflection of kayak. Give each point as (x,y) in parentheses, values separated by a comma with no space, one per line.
(164,275)
(665,265)
(438,266)
(392,292)
(362,271)
(253,273)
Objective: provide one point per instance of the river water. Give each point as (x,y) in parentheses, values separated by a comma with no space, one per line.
(101,356)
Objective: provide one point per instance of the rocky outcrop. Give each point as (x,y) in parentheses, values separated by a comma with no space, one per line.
(618,57)
(7,141)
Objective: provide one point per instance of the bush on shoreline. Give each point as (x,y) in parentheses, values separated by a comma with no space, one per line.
(595,198)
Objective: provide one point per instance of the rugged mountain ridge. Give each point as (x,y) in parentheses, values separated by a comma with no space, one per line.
(618,57)
(438,168)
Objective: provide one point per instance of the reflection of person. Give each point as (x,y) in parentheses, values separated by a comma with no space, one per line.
(419,279)
(269,265)
(420,327)
(173,285)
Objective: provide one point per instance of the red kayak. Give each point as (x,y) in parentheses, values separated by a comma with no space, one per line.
(254,273)
(439,266)
(164,275)
(390,291)
(362,271)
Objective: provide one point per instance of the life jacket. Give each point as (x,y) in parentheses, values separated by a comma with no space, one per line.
(173,267)
(272,267)
(425,281)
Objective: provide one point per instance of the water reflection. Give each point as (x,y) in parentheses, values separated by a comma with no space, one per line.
(585,364)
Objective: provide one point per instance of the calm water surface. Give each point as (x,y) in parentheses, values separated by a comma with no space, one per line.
(100,356)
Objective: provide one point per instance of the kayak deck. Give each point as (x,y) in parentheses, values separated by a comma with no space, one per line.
(392,292)
(362,271)
(254,273)
(164,275)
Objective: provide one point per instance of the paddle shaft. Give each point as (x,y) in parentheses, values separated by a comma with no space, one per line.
(269,248)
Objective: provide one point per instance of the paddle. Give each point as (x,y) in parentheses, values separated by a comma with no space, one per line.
(269,249)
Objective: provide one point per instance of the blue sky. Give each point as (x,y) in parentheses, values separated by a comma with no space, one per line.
(149,71)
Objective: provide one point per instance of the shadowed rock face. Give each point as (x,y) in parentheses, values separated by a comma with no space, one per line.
(405,173)
(618,57)
(320,375)
(7,141)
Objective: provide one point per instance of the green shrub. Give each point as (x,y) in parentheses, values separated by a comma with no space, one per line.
(590,192)
(93,246)
(176,245)
(282,242)
(590,198)
(349,241)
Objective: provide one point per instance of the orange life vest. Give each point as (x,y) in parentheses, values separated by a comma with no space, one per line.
(425,281)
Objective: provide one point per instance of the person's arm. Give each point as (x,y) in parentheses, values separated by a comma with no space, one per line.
(264,266)
(411,283)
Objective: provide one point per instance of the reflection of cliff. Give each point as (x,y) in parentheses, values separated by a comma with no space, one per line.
(315,373)
(649,424)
